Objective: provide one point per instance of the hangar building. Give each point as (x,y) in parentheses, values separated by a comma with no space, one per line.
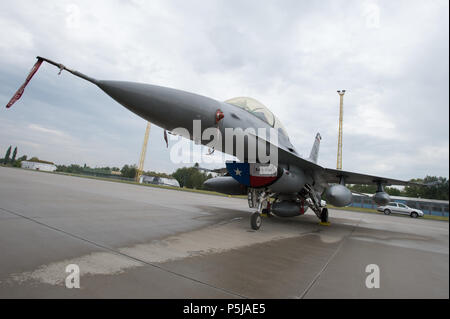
(145,179)
(38,166)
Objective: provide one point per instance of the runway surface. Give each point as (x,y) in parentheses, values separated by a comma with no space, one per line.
(131,241)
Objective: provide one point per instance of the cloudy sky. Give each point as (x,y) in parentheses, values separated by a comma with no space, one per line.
(391,56)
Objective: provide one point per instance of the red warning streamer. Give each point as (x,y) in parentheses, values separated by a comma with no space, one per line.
(22,88)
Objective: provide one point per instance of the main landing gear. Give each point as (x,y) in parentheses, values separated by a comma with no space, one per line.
(316,204)
(324,216)
(307,195)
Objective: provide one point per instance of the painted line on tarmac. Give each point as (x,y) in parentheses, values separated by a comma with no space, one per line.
(121,253)
(338,249)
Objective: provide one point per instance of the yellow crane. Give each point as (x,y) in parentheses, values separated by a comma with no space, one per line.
(140,168)
(341,116)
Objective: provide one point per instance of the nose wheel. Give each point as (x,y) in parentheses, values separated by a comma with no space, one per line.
(255,220)
(256,217)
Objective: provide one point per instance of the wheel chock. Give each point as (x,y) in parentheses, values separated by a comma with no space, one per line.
(324,223)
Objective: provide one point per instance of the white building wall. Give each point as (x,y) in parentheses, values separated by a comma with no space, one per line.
(38,166)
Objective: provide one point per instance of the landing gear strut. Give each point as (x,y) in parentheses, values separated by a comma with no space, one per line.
(256,218)
(317,205)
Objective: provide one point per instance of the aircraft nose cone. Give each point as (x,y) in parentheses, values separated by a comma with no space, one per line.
(165,107)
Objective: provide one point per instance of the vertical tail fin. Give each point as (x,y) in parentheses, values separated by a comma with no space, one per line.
(315,149)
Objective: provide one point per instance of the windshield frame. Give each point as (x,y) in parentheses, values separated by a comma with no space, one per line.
(256,105)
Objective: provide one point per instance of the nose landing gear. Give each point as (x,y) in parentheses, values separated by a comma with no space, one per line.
(255,220)
(256,217)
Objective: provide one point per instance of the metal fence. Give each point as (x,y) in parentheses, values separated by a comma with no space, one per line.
(428,206)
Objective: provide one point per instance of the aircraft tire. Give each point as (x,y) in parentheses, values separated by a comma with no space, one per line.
(255,221)
(324,215)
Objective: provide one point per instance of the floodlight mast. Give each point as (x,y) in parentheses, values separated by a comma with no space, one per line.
(140,168)
(341,116)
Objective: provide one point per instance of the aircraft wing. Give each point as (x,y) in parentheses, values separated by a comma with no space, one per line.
(333,176)
(329,175)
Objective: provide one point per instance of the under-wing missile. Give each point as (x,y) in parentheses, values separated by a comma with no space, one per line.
(381,198)
(338,195)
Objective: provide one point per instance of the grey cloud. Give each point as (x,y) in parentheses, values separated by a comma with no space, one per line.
(290,55)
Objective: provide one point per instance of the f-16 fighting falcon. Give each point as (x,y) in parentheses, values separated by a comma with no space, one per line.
(282,183)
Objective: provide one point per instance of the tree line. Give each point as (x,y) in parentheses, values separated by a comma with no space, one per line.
(191,177)
(80,169)
(11,160)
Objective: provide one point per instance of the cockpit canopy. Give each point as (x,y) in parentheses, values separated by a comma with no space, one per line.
(257,109)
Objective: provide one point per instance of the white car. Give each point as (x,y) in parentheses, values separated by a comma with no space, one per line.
(399,208)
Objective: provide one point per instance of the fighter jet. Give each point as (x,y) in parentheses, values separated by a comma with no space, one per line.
(286,188)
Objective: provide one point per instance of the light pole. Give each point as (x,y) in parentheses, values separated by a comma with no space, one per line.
(341,116)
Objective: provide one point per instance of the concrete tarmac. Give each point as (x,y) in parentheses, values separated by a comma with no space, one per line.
(131,241)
